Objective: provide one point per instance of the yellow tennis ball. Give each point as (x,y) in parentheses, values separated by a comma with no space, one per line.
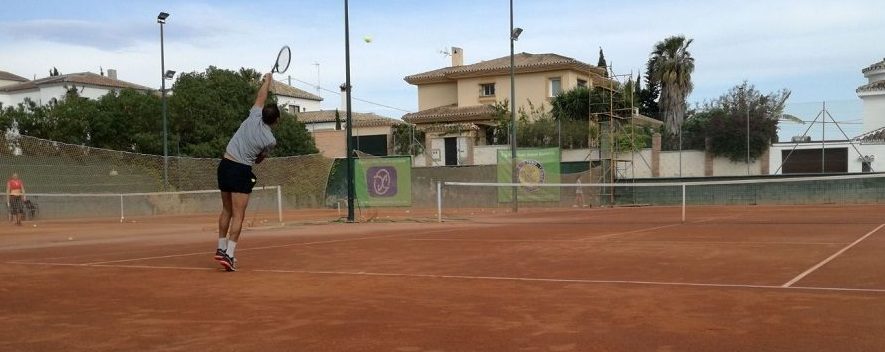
(367,39)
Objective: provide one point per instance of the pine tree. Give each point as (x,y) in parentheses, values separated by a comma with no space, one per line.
(337,120)
(602,64)
(648,96)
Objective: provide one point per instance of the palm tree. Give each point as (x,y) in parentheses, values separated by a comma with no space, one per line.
(672,66)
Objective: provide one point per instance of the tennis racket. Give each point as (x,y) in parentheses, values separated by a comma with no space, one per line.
(284,58)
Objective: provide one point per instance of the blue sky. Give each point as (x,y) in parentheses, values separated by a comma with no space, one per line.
(814,48)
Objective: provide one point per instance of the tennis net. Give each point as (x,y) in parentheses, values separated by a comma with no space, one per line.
(775,199)
(264,202)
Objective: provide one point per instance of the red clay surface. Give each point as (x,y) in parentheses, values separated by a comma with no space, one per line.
(624,279)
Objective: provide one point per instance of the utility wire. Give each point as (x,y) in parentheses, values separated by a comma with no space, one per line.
(354,98)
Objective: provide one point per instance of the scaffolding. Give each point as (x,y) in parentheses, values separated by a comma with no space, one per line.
(611,127)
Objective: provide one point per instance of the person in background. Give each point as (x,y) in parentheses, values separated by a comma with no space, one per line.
(15,199)
(579,195)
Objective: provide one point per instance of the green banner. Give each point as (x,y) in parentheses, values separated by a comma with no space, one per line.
(534,166)
(383,181)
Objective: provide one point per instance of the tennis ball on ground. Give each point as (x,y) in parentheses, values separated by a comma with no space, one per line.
(35,225)
(70,238)
(367,39)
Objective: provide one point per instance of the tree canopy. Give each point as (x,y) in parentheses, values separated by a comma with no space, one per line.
(672,66)
(724,122)
(204,111)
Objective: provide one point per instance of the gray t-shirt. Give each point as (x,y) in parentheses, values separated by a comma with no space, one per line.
(252,138)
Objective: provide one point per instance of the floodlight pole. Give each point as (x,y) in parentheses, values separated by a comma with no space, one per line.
(514,173)
(161,19)
(350,176)
(748,138)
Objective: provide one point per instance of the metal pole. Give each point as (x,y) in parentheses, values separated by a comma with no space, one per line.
(680,150)
(163,92)
(122,212)
(350,186)
(683,203)
(748,138)
(514,174)
(439,201)
(559,131)
(280,203)
(823,139)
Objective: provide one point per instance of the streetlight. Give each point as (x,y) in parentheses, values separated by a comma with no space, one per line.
(161,19)
(514,174)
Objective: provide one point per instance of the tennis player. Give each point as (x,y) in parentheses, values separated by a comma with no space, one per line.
(15,198)
(251,143)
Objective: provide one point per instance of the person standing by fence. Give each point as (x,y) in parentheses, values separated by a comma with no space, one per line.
(15,199)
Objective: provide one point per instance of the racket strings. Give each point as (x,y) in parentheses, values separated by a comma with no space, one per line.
(283,60)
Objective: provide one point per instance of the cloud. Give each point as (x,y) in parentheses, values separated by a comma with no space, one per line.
(100,35)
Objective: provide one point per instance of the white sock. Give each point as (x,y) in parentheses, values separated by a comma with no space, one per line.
(222,243)
(231,246)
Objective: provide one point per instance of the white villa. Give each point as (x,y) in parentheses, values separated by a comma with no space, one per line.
(864,153)
(295,100)
(15,89)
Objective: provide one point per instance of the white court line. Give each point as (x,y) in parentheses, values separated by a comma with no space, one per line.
(593,238)
(113,266)
(263,247)
(468,277)
(825,261)
(749,243)
(579,281)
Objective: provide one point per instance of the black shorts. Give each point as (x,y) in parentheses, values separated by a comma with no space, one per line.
(235,177)
(16,206)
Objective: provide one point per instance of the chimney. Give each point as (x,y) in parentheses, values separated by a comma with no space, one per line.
(112,73)
(457,56)
(343,97)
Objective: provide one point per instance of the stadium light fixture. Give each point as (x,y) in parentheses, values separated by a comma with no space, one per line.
(514,33)
(170,74)
(161,19)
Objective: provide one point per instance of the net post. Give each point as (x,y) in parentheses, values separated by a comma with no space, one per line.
(438,201)
(122,214)
(683,203)
(280,203)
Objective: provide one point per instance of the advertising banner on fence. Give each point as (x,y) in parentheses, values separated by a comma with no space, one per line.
(534,166)
(384,181)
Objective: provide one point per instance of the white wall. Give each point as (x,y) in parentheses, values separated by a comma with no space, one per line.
(304,104)
(438,147)
(487,154)
(14,98)
(873,110)
(320,126)
(638,166)
(692,164)
(45,94)
(854,162)
(726,167)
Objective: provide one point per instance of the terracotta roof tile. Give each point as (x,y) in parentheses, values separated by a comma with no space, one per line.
(6,76)
(876,66)
(360,119)
(523,63)
(874,136)
(878,86)
(75,78)
(451,113)
(280,88)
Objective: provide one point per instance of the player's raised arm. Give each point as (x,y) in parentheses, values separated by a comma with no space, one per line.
(262,92)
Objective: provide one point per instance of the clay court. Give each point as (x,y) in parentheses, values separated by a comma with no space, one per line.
(759,278)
